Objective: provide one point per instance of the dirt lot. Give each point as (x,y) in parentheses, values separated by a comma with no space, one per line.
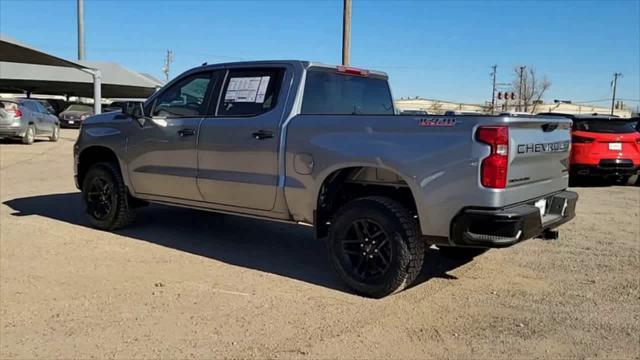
(188,284)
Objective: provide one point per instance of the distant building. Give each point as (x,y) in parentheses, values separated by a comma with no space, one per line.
(439,107)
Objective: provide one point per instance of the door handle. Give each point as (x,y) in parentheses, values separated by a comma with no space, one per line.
(186,132)
(262,134)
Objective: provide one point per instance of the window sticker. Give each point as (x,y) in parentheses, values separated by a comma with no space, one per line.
(247,89)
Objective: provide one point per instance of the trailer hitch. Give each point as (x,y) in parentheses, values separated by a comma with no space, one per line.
(549,235)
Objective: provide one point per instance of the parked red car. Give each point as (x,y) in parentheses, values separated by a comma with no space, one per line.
(605,146)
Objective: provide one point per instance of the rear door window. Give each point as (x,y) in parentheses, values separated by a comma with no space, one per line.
(40,108)
(250,92)
(330,92)
(30,105)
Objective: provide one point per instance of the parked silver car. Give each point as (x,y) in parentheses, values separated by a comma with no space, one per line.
(25,119)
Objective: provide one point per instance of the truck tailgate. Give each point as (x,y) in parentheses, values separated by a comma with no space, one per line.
(539,153)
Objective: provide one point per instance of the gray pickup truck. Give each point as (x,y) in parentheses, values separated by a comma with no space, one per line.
(321,145)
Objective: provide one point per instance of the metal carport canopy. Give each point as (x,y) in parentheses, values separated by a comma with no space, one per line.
(24,68)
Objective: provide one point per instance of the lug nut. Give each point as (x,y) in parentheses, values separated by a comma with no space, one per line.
(370,256)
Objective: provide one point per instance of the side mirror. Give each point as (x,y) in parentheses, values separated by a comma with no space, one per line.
(135,109)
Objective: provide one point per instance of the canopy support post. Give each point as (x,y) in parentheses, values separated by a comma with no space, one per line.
(97,92)
(97,89)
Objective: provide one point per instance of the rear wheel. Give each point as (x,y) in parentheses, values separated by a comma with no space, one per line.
(107,201)
(55,135)
(375,246)
(29,135)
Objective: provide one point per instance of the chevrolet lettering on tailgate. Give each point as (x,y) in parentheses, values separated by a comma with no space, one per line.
(560,146)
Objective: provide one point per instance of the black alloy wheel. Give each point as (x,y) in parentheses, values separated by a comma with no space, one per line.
(100,198)
(367,250)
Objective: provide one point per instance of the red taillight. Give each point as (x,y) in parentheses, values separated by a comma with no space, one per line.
(493,171)
(16,112)
(580,139)
(352,71)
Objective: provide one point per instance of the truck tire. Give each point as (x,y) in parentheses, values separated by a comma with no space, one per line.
(633,180)
(106,198)
(29,135)
(461,252)
(375,246)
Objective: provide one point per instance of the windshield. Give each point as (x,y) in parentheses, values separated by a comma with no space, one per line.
(79,107)
(606,125)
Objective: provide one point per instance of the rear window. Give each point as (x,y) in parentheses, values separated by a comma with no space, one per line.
(332,93)
(8,105)
(606,125)
(78,107)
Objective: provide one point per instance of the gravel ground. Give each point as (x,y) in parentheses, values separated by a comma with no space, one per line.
(189,284)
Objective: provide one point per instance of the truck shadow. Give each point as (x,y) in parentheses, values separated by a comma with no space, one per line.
(277,248)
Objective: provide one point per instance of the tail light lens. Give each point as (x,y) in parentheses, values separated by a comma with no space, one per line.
(493,171)
(581,139)
(17,112)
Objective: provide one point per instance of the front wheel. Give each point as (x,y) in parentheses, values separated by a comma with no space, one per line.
(107,201)
(633,180)
(55,135)
(375,246)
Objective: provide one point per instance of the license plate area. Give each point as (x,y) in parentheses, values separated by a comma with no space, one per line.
(615,146)
(542,206)
(71,122)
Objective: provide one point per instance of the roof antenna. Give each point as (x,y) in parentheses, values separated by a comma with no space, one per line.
(204,64)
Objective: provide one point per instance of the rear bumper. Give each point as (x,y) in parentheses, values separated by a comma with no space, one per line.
(606,167)
(12,131)
(495,228)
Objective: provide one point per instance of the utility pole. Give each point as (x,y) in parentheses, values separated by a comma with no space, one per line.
(167,65)
(346,33)
(614,85)
(493,91)
(520,87)
(80,29)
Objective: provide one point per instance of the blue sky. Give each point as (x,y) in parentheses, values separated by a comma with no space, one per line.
(434,49)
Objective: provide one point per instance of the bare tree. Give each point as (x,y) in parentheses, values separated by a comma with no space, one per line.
(436,107)
(529,87)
